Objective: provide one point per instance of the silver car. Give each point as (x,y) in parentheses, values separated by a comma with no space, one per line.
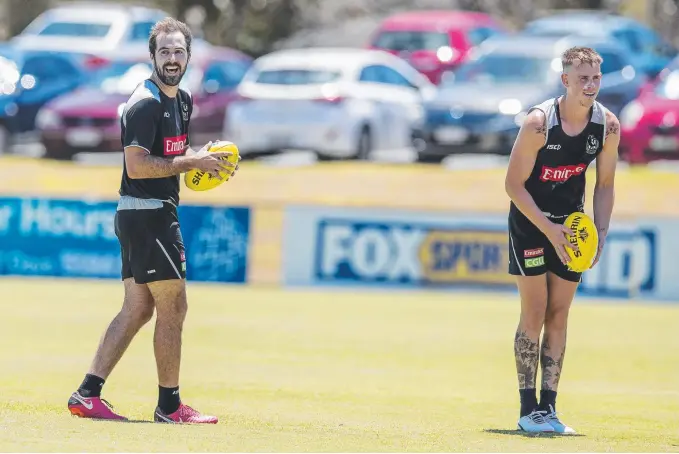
(89,28)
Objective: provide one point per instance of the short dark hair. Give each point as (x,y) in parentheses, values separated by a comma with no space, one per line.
(169,25)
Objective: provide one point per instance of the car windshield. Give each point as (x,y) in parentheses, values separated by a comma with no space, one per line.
(76,29)
(123,77)
(296,76)
(669,87)
(411,40)
(506,68)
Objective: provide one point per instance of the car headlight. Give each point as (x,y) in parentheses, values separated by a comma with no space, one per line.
(47,119)
(631,114)
(509,106)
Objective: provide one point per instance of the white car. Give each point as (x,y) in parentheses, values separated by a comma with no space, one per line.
(95,28)
(340,103)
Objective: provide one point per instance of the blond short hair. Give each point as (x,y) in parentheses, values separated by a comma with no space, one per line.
(578,56)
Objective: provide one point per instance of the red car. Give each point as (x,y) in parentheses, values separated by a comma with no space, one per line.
(89,119)
(650,124)
(434,42)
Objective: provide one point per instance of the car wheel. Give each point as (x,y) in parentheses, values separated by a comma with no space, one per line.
(4,140)
(364,144)
(59,154)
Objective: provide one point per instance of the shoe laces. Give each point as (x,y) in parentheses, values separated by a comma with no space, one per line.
(551,414)
(107,403)
(185,410)
(537,417)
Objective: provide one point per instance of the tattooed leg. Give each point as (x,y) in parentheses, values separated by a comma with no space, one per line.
(533,292)
(526,356)
(561,293)
(551,358)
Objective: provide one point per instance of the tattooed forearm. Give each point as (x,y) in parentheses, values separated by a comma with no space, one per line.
(551,362)
(526,352)
(149,166)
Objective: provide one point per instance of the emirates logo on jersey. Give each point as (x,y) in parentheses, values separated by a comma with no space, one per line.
(562,173)
(174,145)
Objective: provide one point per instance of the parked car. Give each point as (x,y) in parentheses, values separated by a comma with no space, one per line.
(89,27)
(340,103)
(435,42)
(650,124)
(29,80)
(648,51)
(89,119)
(482,108)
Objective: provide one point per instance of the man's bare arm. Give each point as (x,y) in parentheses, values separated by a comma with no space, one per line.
(521,162)
(141,164)
(604,190)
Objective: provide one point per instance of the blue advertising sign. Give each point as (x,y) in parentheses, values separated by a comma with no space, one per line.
(356,246)
(410,253)
(50,237)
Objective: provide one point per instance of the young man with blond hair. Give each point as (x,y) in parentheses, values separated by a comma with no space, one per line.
(546,182)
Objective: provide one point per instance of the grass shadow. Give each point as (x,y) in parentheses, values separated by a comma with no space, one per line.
(129,421)
(520,433)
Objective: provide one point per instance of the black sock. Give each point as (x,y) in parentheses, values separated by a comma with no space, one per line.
(91,386)
(529,401)
(547,398)
(168,399)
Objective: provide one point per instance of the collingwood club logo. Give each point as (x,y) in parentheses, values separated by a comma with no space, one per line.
(592,144)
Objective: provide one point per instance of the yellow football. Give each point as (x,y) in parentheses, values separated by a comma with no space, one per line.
(586,238)
(198,180)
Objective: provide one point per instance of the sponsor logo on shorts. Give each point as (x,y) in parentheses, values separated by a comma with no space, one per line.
(184,266)
(182,256)
(535,262)
(562,173)
(174,145)
(533,252)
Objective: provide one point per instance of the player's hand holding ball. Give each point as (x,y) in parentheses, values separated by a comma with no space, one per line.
(557,235)
(586,237)
(215,164)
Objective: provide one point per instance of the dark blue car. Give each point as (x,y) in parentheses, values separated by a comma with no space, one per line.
(30,79)
(647,50)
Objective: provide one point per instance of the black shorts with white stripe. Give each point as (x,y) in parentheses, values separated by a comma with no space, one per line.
(150,239)
(531,253)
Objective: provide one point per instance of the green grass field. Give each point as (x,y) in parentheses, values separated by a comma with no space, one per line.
(335,371)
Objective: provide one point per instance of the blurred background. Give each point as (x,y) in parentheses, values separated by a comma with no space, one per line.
(460,77)
(378,105)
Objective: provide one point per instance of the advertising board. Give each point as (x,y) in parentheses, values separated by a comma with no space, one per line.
(349,246)
(51,237)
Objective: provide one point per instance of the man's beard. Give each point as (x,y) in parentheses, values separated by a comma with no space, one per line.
(171,80)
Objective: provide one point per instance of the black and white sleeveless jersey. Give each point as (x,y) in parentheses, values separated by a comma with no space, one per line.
(557,183)
(158,124)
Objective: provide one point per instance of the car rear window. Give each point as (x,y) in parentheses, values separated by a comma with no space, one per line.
(296,77)
(80,29)
(411,40)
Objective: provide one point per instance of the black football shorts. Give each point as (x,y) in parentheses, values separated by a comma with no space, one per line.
(151,241)
(531,253)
